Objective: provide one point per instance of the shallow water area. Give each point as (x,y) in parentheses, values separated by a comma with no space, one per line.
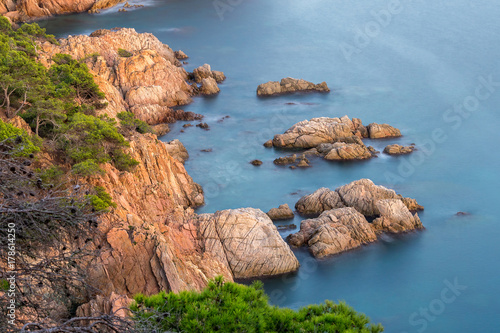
(425,61)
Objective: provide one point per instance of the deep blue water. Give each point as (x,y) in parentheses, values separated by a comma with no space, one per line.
(411,71)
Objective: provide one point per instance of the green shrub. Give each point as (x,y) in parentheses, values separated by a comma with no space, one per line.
(23,145)
(130,123)
(73,80)
(87,168)
(124,53)
(51,175)
(4,285)
(231,307)
(101,201)
(123,161)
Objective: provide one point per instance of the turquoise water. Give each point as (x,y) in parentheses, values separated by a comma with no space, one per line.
(411,71)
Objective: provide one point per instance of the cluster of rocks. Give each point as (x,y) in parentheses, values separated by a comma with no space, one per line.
(127,5)
(293,161)
(208,80)
(333,138)
(343,223)
(289,85)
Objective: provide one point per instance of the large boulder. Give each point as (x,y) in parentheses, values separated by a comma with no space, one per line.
(395,217)
(289,85)
(341,151)
(322,200)
(209,86)
(334,231)
(396,149)
(311,133)
(249,241)
(363,195)
(378,131)
(283,212)
(176,149)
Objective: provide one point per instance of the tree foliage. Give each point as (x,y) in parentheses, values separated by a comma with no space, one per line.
(130,123)
(231,307)
(22,144)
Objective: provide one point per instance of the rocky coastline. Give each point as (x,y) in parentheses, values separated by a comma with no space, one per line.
(30,10)
(153,240)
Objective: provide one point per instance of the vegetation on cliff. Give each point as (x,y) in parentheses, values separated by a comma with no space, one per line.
(58,103)
(232,307)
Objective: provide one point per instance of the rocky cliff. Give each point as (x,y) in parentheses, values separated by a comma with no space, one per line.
(27,10)
(154,241)
(136,71)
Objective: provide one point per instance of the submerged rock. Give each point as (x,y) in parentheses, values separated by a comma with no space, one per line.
(283,212)
(289,85)
(203,126)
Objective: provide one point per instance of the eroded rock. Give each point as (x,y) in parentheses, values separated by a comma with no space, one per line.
(334,231)
(396,149)
(283,212)
(250,242)
(289,85)
(343,223)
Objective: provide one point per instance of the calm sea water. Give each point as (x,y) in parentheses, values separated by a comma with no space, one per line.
(421,69)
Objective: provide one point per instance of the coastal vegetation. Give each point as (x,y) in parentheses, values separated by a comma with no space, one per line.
(231,307)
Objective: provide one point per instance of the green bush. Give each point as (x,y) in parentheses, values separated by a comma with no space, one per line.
(73,80)
(87,168)
(101,201)
(231,307)
(51,175)
(123,161)
(130,123)
(124,53)
(23,145)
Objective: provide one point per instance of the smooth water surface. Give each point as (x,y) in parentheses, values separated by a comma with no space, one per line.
(414,70)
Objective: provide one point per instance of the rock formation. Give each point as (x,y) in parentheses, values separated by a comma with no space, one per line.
(320,201)
(283,212)
(334,231)
(333,138)
(289,85)
(395,217)
(396,149)
(249,241)
(154,241)
(147,83)
(177,150)
(27,10)
(377,131)
(343,223)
